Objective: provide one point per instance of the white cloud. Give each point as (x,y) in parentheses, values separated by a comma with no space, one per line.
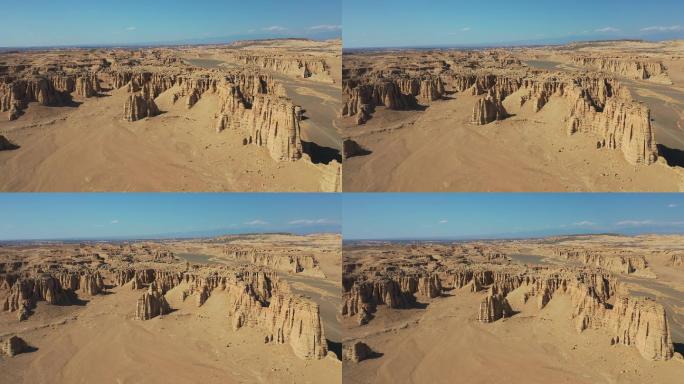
(274,28)
(660,28)
(256,222)
(635,223)
(672,205)
(325,27)
(584,223)
(443,221)
(311,221)
(607,30)
(114,222)
(465,29)
(131,28)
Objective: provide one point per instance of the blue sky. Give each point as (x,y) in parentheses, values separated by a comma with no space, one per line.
(89,22)
(131,215)
(463,215)
(397,23)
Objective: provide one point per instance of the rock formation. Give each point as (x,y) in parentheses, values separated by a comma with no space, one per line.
(488,109)
(356,351)
(151,304)
(351,148)
(634,68)
(493,307)
(13,346)
(642,323)
(139,106)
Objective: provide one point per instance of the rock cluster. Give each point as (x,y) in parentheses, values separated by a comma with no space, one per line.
(307,67)
(493,307)
(356,351)
(290,261)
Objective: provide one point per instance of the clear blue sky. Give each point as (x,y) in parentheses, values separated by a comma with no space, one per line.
(91,22)
(121,215)
(462,215)
(396,23)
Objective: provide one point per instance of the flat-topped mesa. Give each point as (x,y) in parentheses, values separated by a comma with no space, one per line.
(641,322)
(310,67)
(151,304)
(624,262)
(296,321)
(139,106)
(487,110)
(634,68)
(494,306)
(287,261)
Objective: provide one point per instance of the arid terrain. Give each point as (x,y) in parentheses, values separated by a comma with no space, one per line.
(597,116)
(572,309)
(232,309)
(247,116)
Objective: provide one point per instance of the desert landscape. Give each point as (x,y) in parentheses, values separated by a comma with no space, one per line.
(571,309)
(246,116)
(586,116)
(255,308)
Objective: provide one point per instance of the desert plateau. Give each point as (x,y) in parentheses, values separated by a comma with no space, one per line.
(255,308)
(563,309)
(254,115)
(585,116)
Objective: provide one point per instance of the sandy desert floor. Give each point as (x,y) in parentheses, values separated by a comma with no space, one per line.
(441,338)
(99,338)
(86,145)
(434,146)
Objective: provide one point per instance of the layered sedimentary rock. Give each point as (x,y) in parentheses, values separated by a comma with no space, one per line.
(677,260)
(151,304)
(635,68)
(307,67)
(287,261)
(13,346)
(356,351)
(618,262)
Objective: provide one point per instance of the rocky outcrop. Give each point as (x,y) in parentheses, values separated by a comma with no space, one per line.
(494,306)
(634,68)
(356,351)
(351,149)
(6,145)
(487,110)
(13,346)
(291,261)
(677,260)
(614,261)
(642,323)
(91,284)
(139,106)
(308,67)
(151,304)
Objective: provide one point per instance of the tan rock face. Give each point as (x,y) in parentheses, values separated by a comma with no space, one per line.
(635,68)
(356,351)
(488,109)
(493,307)
(308,67)
(139,106)
(626,262)
(643,324)
(151,304)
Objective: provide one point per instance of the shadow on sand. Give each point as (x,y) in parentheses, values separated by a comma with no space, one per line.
(674,157)
(321,155)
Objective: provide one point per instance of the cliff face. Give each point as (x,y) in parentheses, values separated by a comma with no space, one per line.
(634,68)
(493,307)
(643,324)
(139,106)
(611,261)
(286,261)
(307,67)
(487,110)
